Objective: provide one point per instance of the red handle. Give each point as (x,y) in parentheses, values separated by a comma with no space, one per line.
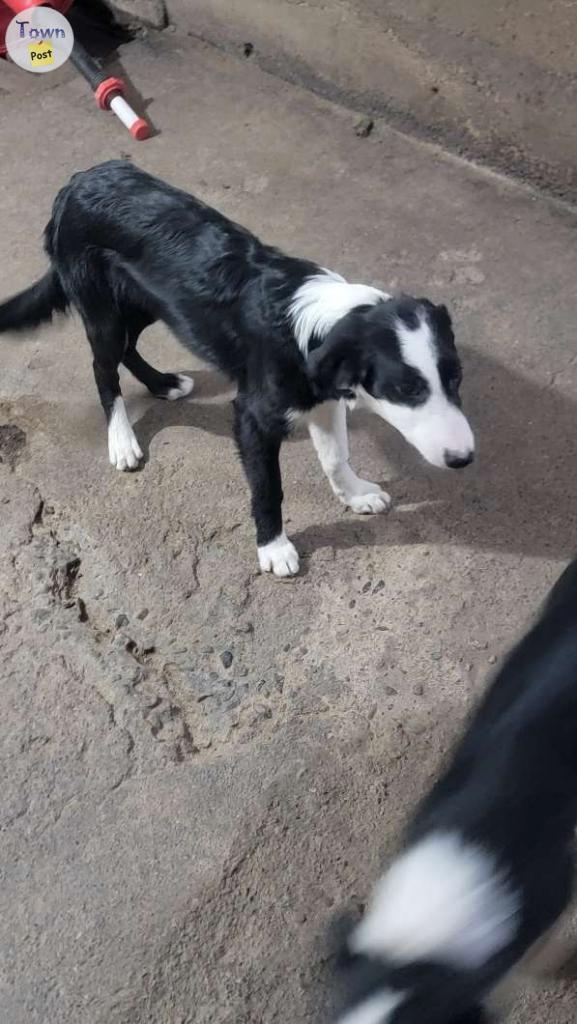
(18,6)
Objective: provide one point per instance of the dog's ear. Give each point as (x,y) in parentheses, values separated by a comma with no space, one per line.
(439,310)
(443,318)
(334,367)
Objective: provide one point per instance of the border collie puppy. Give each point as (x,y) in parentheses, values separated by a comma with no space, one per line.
(127,249)
(487,866)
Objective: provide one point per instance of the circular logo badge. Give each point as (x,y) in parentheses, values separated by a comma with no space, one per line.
(39,39)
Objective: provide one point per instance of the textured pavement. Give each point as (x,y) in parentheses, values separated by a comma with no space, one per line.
(176,833)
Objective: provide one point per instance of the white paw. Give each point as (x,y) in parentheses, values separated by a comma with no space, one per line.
(370,503)
(125,453)
(123,449)
(279,557)
(185,386)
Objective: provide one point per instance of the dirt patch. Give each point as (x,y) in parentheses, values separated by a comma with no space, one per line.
(12,443)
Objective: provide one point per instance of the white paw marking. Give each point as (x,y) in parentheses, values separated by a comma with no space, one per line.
(279,557)
(368,499)
(185,386)
(123,448)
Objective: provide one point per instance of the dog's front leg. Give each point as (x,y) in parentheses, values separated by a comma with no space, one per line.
(328,430)
(259,452)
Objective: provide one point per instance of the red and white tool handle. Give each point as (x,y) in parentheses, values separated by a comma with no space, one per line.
(109,92)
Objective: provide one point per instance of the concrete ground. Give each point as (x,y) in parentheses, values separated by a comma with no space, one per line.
(201,764)
(489,80)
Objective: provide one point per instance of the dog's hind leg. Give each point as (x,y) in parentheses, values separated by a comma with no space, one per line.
(162,385)
(327,425)
(107,336)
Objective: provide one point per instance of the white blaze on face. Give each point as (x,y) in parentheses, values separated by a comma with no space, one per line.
(437,428)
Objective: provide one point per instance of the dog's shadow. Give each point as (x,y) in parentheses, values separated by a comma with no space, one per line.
(519,496)
(196,411)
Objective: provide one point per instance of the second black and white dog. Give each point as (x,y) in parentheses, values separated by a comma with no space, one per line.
(489,857)
(127,249)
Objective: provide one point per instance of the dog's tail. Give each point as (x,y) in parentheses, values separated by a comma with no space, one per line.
(34,306)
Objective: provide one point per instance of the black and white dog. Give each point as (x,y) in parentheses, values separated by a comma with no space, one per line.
(488,864)
(127,249)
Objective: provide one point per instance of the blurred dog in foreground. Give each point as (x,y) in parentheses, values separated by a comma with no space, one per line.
(487,866)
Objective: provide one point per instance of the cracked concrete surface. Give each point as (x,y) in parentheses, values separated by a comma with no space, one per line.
(200,764)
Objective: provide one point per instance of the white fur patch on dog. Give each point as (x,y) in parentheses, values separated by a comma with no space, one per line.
(375,1010)
(417,350)
(185,386)
(444,900)
(322,300)
(279,557)
(328,430)
(123,448)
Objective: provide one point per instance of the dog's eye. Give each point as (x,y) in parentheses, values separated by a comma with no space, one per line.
(410,389)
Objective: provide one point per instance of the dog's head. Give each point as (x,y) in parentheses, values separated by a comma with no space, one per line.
(398,359)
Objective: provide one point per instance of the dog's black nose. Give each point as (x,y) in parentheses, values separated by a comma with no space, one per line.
(454,461)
